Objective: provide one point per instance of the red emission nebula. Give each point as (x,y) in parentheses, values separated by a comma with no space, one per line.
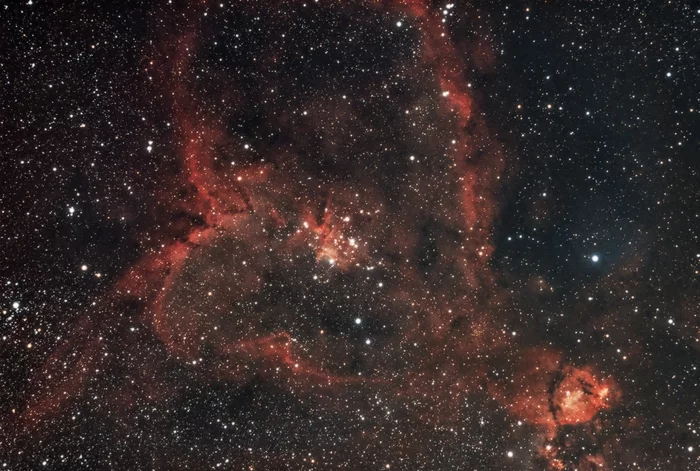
(267,253)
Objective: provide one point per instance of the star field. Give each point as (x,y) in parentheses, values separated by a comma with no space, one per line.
(363,235)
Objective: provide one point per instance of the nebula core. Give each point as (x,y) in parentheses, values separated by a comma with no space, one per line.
(350,235)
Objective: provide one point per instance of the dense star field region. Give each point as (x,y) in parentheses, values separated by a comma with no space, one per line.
(361,235)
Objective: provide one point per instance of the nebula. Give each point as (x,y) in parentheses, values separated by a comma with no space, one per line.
(325,232)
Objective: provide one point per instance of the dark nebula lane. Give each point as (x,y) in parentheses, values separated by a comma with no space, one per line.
(360,235)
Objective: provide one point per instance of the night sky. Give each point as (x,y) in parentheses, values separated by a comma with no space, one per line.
(360,235)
